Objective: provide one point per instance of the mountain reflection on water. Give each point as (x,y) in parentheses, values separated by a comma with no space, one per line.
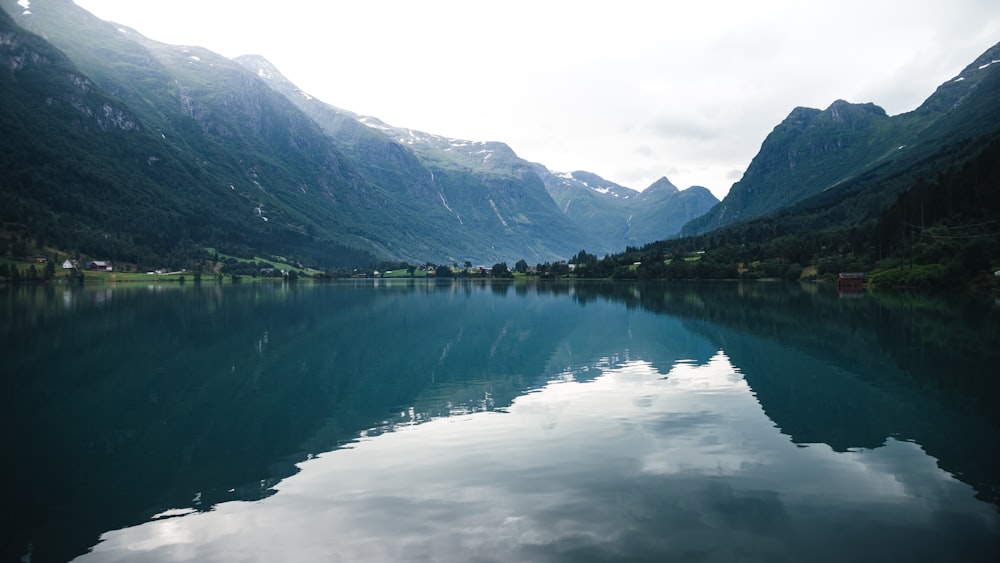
(501,422)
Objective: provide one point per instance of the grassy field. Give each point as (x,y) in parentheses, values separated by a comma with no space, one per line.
(277,264)
(403,274)
(112,277)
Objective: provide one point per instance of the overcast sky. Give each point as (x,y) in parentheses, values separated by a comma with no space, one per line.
(631,91)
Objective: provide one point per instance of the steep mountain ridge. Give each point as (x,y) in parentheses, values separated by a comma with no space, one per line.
(813,151)
(492,201)
(234,156)
(258,175)
(808,152)
(85,170)
(622,216)
(600,212)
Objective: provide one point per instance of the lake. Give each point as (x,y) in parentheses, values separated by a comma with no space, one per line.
(415,420)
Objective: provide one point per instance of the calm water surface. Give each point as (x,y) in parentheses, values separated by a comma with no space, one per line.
(414,421)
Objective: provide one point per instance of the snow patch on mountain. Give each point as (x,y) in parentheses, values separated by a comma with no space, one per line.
(374,124)
(497,211)
(444,201)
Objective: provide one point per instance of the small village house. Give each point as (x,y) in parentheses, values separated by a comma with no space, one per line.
(851,279)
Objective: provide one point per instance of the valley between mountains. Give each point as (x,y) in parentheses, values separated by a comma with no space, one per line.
(121,148)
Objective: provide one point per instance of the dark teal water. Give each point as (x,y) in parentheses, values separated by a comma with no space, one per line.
(415,421)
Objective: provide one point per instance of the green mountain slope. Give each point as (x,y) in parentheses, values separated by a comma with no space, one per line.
(482,199)
(187,162)
(922,214)
(815,153)
(137,151)
(526,206)
(808,152)
(84,171)
(221,159)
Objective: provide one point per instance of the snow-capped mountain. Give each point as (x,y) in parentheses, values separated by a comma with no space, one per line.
(624,216)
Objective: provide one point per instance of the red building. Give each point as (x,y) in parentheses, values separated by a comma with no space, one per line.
(850,279)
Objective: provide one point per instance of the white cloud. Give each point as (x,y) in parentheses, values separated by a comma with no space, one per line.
(579,85)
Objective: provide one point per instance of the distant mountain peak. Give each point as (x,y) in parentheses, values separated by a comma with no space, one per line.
(662,185)
(845,112)
(801,114)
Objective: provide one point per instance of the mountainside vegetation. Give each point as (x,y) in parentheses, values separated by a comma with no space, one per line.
(147,154)
(480,198)
(154,156)
(814,152)
(942,229)
(119,162)
(837,190)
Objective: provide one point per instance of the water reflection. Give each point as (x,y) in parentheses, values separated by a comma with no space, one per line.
(746,419)
(632,465)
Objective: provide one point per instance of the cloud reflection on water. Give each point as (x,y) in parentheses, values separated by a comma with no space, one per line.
(634,464)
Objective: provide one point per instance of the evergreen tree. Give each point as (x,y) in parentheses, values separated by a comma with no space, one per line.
(500,270)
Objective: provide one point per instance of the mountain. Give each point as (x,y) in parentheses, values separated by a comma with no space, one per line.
(142,152)
(138,151)
(808,152)
(275,173)
(132,149)
(620,216)
(482,199)
(662,210)
(816,151)
(458,175)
